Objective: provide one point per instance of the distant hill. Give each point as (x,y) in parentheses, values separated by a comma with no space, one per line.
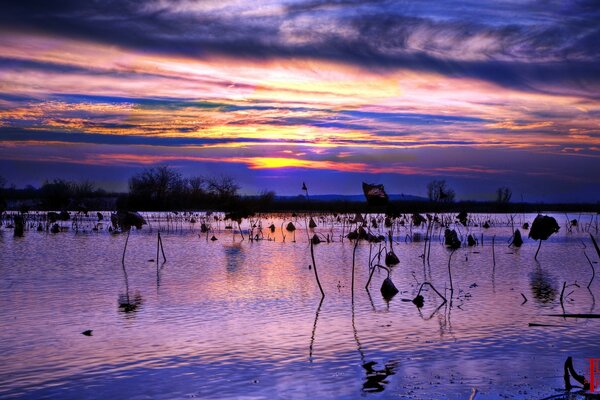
(352,197)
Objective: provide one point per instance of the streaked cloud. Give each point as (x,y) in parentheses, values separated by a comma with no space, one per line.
(363,88)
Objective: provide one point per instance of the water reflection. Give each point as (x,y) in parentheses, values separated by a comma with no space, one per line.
(314,331)
(158,271)
(129,304)
(543,285)
(263,296)
(376,378)
(234,257)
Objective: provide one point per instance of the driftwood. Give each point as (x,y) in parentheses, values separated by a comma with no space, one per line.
(574,315)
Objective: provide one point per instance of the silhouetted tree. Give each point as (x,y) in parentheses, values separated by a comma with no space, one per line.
(503,195)
(222,187)
(438,191)
(2,199)
(197,184)
(156,187)
(266,199)
(82,189)
(56,194)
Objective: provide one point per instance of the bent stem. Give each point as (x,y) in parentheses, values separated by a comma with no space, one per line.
(312,254)
(373,271)
(593,269)
(538,250)
(434,289)
(450,274)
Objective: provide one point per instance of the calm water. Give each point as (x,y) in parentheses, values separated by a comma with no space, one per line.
(240,319)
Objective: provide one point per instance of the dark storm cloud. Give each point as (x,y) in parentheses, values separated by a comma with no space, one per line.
(547,46)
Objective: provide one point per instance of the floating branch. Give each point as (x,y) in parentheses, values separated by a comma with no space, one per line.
(574,315)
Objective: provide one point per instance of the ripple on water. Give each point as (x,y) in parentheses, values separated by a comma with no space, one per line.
(232,319)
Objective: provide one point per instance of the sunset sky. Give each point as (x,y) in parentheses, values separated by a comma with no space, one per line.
(330,92)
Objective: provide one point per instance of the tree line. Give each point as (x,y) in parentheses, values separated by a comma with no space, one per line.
(158,188)
(163,188)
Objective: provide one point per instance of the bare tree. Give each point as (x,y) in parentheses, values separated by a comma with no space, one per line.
(503,195)
(156,184)
(82,189)
(222,187)
(197,184)
(438,191)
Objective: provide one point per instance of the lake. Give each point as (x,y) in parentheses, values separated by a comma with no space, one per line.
(241,319)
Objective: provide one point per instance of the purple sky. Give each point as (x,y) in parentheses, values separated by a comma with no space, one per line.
(332,92)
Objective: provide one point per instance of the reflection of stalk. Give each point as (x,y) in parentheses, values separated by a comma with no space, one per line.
(426,239)
(370,299)
(494,249)
(358,345)
(125,275)
(314,331)
(353,263)
(240,228)
(125,248)
(312,254)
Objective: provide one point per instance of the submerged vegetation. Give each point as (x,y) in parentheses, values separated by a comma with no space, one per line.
(384,235)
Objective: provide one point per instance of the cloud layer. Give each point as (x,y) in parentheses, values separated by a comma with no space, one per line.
(369,89)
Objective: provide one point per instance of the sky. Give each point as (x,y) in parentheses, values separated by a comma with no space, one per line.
(482,94)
